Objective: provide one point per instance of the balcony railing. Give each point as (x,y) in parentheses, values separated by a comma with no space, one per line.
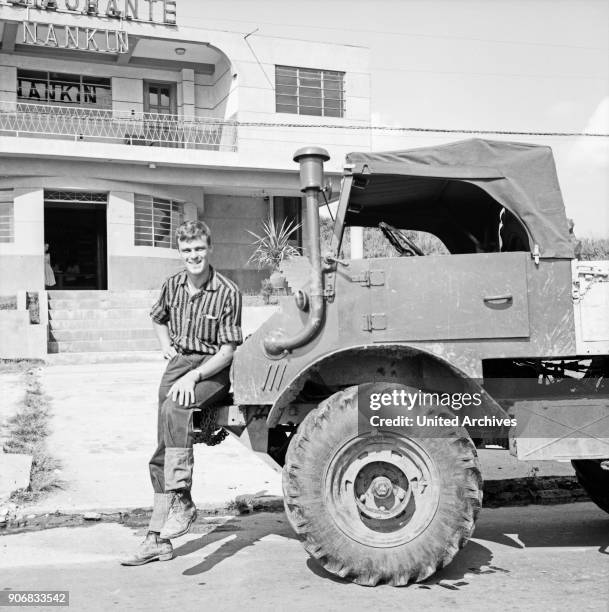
(118,127)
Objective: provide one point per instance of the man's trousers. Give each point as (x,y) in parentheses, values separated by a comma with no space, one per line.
(172,463)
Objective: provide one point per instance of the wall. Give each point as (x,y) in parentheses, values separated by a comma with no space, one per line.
(22,264)
(128,94)
(8,78)
(141,267)
(229,218)
(20,339)
(256,81)
(216,94)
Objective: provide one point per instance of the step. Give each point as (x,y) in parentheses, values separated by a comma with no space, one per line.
(90,294)
(104,357)
(99,335)
(86,346)
(102,303)
(98,314)
(97,322)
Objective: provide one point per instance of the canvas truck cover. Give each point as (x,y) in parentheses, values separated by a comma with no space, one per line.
(520,177)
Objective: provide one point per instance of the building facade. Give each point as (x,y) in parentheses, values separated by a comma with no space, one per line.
(117,122)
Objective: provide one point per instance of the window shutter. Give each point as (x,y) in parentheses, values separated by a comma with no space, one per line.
(7,216)
(305,91)
(156,220)
(143,220)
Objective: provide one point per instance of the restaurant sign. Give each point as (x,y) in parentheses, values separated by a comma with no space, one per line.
(74,37)
(154,11)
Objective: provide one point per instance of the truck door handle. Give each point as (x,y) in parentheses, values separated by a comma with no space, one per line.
(498,298)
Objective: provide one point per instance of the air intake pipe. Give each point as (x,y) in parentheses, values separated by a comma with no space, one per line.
(311,160)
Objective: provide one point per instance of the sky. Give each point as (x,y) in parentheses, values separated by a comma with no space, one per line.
(530,65)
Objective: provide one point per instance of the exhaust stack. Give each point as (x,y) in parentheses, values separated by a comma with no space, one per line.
(311,160)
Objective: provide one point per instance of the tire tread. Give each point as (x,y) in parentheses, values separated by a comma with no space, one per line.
(416,561)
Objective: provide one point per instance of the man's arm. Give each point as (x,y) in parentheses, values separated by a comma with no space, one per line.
(216,362)
(160,317)
(162,334)
(183,390)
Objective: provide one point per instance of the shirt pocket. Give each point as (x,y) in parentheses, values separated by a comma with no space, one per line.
(207,327)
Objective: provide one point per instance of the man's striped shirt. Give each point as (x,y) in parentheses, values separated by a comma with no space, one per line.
(203,321)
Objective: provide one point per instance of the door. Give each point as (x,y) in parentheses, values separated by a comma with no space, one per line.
(452,297)
(160,98)
(160,108)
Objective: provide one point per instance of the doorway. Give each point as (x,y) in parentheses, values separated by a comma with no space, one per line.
(288,210)
(160,109)
(75,230)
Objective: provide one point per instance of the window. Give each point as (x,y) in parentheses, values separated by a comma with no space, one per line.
(7,216)
(156,220)
(304,91)
(78,197)
(160,98)
(63,89)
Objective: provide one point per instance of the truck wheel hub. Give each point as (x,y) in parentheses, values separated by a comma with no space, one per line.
(382,490)
(382,487)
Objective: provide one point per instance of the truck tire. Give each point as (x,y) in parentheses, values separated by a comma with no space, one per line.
(594,479)
(334,474)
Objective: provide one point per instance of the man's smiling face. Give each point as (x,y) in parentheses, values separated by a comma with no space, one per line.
(195,254)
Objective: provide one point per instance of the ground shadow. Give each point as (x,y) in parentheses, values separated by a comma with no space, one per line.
(473,559)
(523,528)
(247,531)
(513,527)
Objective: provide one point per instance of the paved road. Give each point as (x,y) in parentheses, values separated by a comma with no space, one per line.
(522,558)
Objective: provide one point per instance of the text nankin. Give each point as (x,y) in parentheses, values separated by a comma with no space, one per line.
(74,37)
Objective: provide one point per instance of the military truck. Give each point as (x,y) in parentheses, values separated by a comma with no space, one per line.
(508,316)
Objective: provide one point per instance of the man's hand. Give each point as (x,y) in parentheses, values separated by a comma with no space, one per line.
(168,352)
(183,390)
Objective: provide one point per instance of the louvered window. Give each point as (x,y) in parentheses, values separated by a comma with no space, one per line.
(7,216)
(304,91)
(156,220)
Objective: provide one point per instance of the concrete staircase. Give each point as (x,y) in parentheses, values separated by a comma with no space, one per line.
(100,321)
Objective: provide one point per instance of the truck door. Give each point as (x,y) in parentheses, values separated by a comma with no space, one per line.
(449,297)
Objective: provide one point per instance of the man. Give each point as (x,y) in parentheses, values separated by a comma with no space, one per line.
(197,320)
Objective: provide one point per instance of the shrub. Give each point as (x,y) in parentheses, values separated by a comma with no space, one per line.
(33,305)
(8,302)
(595,248)
(375,243)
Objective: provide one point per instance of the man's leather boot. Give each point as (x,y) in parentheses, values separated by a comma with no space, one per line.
(182,514)
(151,549)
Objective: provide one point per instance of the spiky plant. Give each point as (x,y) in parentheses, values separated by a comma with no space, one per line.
(273,244)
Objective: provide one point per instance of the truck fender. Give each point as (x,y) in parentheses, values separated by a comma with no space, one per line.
(388,363)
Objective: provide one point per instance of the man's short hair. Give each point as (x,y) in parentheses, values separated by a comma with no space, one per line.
(190,230)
